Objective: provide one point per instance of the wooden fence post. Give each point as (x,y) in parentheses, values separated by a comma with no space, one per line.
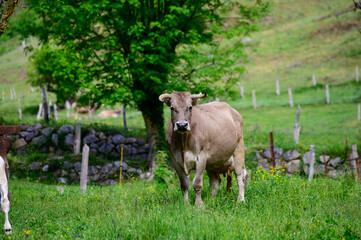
(45,105)
(254,99)
(359,112)
(354,158)
(290,97)
(277,86)
(55,111)
(84,168)
(40,111)
(272,150)
(313,79)
(11,94)
(49,107)
(327,95)
(67,105)
(19,110)
(77,138)
(312,163)
(356,73)
(31,88)
(296,128)
(14,92)
(240,90)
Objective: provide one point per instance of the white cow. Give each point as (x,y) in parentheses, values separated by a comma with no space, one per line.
(5,203)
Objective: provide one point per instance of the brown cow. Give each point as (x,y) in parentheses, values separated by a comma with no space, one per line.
(205,137)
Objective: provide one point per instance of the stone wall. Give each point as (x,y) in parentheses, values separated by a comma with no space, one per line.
(293,162)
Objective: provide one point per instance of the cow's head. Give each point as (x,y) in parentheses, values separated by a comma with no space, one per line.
(181,104)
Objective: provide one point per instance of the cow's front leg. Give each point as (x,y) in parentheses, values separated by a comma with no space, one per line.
(184,181)
(5,203)
(198,180)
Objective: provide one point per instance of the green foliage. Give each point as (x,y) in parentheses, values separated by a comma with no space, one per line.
(163,174)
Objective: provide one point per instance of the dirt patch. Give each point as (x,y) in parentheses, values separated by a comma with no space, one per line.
(337,27)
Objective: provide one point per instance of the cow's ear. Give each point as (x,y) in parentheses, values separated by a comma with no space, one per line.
(195,101)
(165,98)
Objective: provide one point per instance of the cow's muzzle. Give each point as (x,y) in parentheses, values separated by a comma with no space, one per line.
(182,127)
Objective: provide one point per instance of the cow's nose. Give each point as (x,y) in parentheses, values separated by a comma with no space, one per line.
(182,125)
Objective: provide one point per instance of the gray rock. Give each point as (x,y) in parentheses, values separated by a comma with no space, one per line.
(90,139)
(102,136)
(144,149)
(47,131)
(107,168)
(115,154)
(66,129)
(294,166)
(295,155)
(134,151)
(22,151)
(95,178)
(131,140)
(38,141)
(69,140)
(62,180)
(34,127)
(257,156)
(20,143)
(117,139)
(77,166)
(63,173)
(335,162)
(68,164)
(93,151)
(133,170)
(322,160)
(46,168)
(126,150)
(24,126)
(106,148)
(27,135)
(307,157)
(57,173)
(92,170)
(94,145)
(99,167)
(321,169)
(101,143)
(91,131)
(35,165)
(55,139)
(109,182)
(59,152)
(74,177)
(277,151)
(139,171)
(335,174)
(263,163)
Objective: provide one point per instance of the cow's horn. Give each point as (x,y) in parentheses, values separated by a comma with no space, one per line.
(199,95)
(165,97)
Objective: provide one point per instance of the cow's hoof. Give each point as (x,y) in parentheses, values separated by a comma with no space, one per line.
(8,231)
(199,203)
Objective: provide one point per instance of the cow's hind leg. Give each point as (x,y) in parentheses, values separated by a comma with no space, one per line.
(214,181)
(229,179)
(184,181)
(5,204)
(240,169)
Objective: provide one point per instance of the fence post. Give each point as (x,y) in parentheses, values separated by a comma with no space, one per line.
(49,107)
(45,105)
(312,162)
(90,114)
(354,159)
(77,138)
(67,105)
(313,79)
(40,111)
(31,88)
(3,96)
(14,92)
(84,168)
(359,112)
(290,97)
(272,150)
(11,94)
(240,89)
(296,128)
(19,110)
(254,99)
(356,73)
(55,111)
(277,86)
(327,95)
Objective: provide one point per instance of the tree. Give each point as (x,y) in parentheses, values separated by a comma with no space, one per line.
(132,49)
(7,8)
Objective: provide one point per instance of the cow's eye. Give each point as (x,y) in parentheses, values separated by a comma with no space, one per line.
(172,108)
(190,108)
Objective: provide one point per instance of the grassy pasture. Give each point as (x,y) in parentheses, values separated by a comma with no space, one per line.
(277,207)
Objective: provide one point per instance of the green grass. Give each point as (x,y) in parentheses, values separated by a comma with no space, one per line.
(277,207)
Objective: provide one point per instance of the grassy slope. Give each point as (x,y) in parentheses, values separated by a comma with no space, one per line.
(291,45)
(277,207)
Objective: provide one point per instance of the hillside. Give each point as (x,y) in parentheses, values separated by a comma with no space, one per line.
(292,44)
